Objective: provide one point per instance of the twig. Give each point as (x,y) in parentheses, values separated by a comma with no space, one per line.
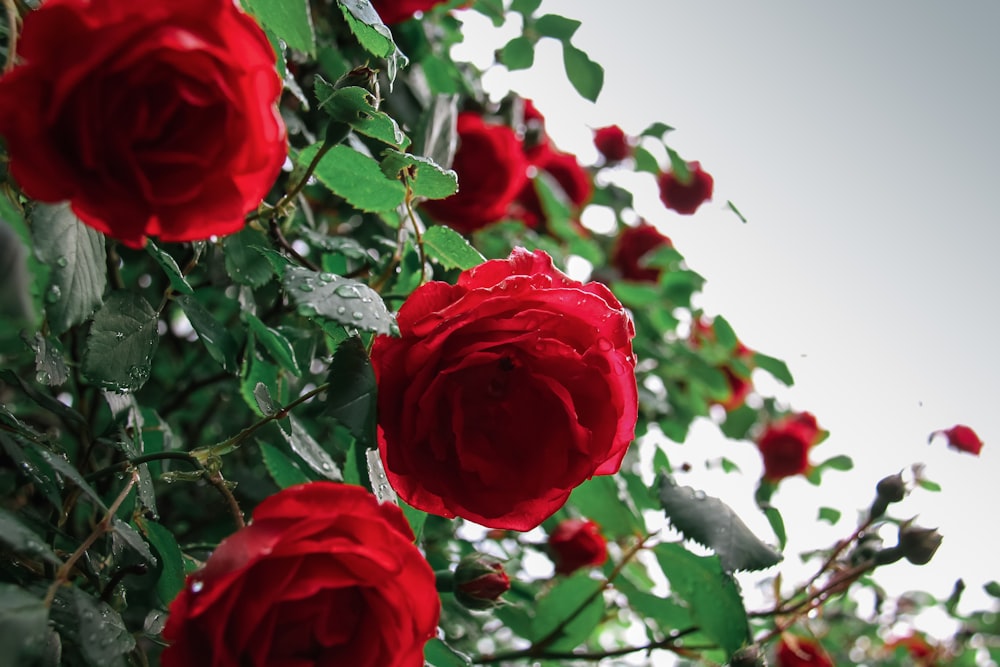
(12,21)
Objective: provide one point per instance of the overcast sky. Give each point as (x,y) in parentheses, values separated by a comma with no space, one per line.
(860,140)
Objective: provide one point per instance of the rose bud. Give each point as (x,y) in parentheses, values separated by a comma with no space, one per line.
(480,580)
(685,196)
(962,438)
(918,545)
(577,543)
(801,652)
(889,490)
(612,143)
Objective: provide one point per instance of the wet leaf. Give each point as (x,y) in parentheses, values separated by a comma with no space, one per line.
(450,248)
(289,19)
(351,398)
(121,343)
(355,177)
(421,174)
(342,300)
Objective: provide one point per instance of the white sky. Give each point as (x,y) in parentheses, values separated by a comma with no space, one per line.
(860,141)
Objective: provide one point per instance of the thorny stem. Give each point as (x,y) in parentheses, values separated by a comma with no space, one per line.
(145,458)
(62,575)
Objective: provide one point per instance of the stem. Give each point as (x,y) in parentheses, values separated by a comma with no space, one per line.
(593,656)
(139,460)
(408,202)
(219,483)
(280,239)
(104,526)
(12,22)
(297,188)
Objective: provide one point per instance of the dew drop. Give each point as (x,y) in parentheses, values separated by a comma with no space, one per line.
(366,300)
(325,466)
(307,310)
(197,586)
(348,292)
(62,262)
(358,315)
(119,335)
(53,294)
(341,310)
(604,345)
(305,287)
(327,277)
(699,495)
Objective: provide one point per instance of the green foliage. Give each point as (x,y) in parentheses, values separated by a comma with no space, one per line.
(289,19)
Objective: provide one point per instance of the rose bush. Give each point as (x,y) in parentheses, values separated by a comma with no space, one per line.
(323,575)
(492,170)
(784,445)
(505,391)
(686,195)
(151,118)
(577,543)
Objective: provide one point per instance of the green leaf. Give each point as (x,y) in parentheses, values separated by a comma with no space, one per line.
(18,538)
(724,333)
(657,130)
(829,514)
(518,53)
(775,367)
(571,609)
(928,484)
(275,343)
(351,398)
(558,27)
(353,105)
(355,177)
(774,518)
(284,471)
(244,262)
(450,248)
(131,537)
(217,340)
(678,166)
(171,579)
(169,266)
(311,452)
(50,362)
(265,403)
(604,501)
(425,178)
(732,207)
(342,300)
(841,462)
(710,522)
(525,7)
(92,627)
(289,19)
(992,588)
(23,625)
(711,594)
(21,302)
(373,35)
(439,654)
(738,422)
(76,255)
(586,76)
(121,343)
(645,161)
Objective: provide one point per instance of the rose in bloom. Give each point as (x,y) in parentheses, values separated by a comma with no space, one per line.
(324,575)
(491,170)
(962,438)
(612,143)
(686,196)
(397,11)
(785,444)
(632,245)
(505,391)
(801,652)
(577,543)
(151,118)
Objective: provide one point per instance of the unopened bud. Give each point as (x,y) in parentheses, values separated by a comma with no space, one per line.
(918,544)
(480,580)
(892,488)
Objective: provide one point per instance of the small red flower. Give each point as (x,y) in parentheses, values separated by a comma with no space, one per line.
(632,245)
(785,445)
(612,143)
(480,580)
(565,169)
(397,11)
(577,543)
(686,196)
(962,438)
(801,652)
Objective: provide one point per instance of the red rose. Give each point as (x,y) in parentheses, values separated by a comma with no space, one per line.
(800,652)
(632,245)
(480,580)
(323,576)
(565,169)
(577,543)
(491,170)
(504,392)
(686,196)
(151,118)
(612,143)
(785,445)
(916,645)
(397,11)
(962,438)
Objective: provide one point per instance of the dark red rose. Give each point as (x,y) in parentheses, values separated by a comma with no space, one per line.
(785,445)
(577,543)
(801,652)
(565,169)
(151,118)
(612,143)
(491,170)
(480,580)
(397,11)
(632,245)
(962,438)
(324,575)
(505,392)
(686,196)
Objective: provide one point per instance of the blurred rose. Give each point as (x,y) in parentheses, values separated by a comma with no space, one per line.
(397,11)
(632,245)
(962,438)
(686,196)
(801,652)
(577,543)
(785,444)
(612,143)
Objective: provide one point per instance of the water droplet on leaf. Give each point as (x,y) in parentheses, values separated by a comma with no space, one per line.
(53,294)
